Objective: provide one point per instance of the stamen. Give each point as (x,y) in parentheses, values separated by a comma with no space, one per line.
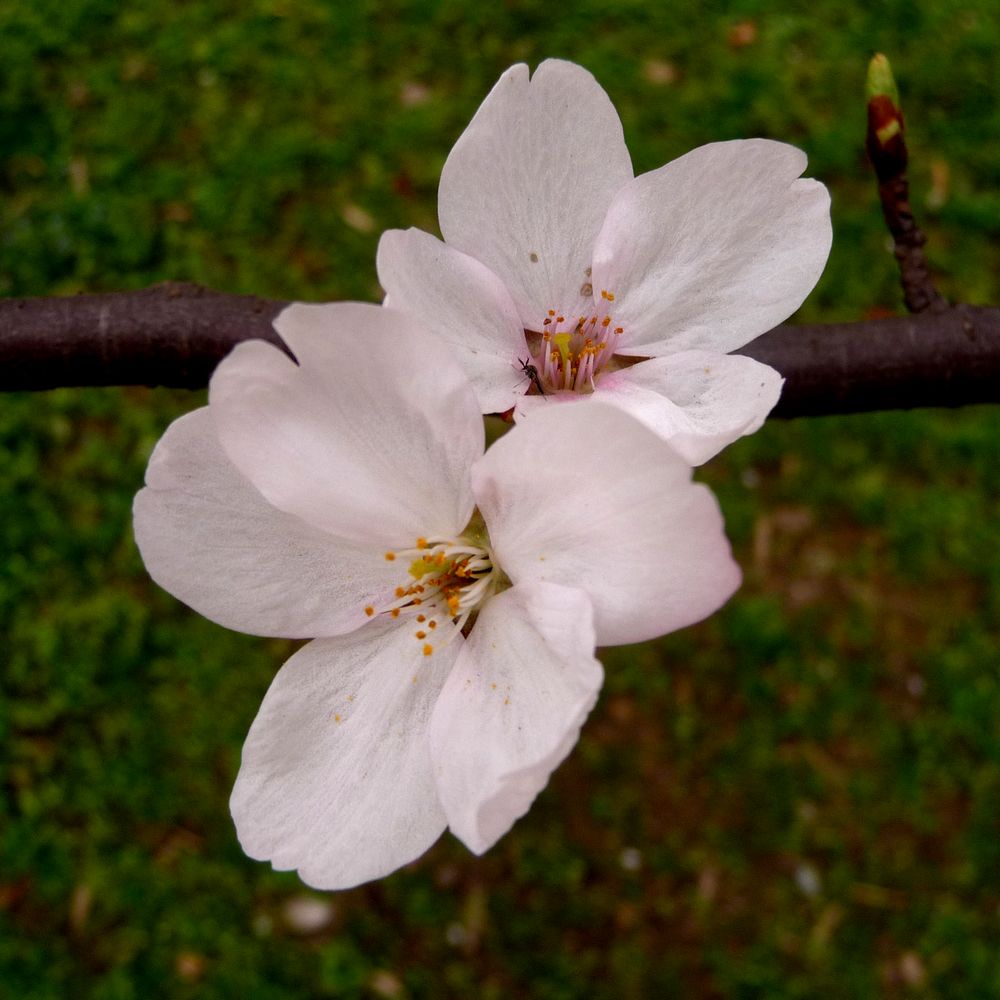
(572,356)
(448,578)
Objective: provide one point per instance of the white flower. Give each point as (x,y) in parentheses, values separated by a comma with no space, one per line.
(348,497)
(557,262)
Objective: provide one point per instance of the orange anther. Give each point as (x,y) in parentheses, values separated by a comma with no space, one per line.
(369,611)
(428,649)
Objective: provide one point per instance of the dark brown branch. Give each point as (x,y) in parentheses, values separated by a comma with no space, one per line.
(171,334)
(174,335)
(886,145)
(949,358)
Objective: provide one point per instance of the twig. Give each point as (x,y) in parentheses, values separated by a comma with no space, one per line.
(886,145)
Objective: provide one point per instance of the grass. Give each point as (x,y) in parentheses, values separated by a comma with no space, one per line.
(797,798)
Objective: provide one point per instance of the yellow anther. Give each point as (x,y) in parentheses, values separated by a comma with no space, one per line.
(421,543)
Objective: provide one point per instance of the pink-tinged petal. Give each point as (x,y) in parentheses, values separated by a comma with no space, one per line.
(369,437)
(209,538)
(585,496)
(698,401)
(336,779)
(526,187)
(512,708)
(464,303)
(714,248)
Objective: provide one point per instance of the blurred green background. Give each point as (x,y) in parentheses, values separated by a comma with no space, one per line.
(798,798)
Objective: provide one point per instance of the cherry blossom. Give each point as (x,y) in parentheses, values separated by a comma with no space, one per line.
(562,276)
(453,599)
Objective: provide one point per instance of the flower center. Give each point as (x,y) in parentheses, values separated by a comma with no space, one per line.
(446,580)
(574,350)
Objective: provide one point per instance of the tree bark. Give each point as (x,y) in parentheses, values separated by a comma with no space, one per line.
(175,334)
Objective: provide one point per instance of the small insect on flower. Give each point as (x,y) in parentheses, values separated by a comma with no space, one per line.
(532,372)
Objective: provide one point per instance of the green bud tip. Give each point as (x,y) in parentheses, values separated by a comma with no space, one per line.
(880,82)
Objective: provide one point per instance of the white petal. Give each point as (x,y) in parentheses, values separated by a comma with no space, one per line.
(464,303)
(336,779)
(526,187)
(512,708)
(698,401)
(369,437)
(209,538)
(713,249)
(585,496)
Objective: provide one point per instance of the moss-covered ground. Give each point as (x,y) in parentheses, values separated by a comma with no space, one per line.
(798,798)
